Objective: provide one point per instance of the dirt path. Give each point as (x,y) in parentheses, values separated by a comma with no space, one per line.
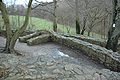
(51,61)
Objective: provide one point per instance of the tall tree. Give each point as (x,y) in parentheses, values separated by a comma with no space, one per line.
(42,6)
(114,33)
(77,18)
(55,16)
(86,6)
(5,17)
(11,39)
(84,25)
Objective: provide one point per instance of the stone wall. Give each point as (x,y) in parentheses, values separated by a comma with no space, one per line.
(39,39)
(106,57)
(26,37)
(99,42)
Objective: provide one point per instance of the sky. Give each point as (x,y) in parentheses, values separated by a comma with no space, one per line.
(8,2)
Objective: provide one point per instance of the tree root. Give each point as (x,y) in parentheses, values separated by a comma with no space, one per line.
(3,50)
(16,52)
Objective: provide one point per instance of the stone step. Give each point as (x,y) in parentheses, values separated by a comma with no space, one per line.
(25,38)
(39,39)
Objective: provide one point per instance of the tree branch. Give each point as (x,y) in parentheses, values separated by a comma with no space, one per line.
(41,4)
(46,11)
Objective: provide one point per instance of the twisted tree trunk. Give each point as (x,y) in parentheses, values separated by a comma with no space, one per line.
(11,40)
(21,30)
(5,17)
(111,42)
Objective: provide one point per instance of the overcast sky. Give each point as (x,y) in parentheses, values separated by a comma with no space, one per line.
(22,1)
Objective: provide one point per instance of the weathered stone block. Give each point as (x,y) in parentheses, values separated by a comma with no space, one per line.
(57,39)
(114,65)
(102,58)
(118,67)
(39,39)
(25,38)
(108,61)
(94,55)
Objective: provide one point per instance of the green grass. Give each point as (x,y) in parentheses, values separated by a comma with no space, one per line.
(38,24)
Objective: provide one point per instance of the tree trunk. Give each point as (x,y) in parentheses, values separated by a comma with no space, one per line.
(111,30)
(55,25)
(7,24)
(77,27)
(77,18)
(83,30)
(89,33)
(113,43)
(21,30)
(84,25)
(55,17)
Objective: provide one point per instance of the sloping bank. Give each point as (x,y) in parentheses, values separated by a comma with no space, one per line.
(106,57)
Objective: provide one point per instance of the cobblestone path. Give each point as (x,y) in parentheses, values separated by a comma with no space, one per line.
(51,61)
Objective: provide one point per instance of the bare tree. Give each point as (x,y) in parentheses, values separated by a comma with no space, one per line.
(86,7)
(51,12)
(77,18)
(94,18)
(5,17)
(12,38)
(55,16)
(84,25)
